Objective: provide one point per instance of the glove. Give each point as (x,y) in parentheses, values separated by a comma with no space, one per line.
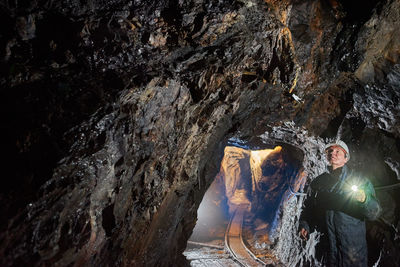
(359,195)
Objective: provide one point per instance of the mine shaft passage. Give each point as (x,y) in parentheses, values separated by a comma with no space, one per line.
(261,180)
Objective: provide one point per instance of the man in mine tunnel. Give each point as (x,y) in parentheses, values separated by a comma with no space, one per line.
(338,203)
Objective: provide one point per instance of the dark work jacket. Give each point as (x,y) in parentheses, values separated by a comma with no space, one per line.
(332,210)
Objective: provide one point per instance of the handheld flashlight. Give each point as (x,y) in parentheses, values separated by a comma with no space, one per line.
(354,188)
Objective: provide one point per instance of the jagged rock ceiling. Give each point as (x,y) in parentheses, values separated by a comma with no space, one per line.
(115,114)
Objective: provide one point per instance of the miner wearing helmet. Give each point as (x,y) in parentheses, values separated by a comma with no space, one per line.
(339,202)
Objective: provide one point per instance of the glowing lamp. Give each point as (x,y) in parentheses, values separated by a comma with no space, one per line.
(354,188)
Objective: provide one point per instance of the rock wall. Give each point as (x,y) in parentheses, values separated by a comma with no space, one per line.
(116,113)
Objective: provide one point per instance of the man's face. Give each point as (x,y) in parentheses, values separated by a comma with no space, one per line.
(336,156)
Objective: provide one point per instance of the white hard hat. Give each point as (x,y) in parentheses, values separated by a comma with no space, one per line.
(341,144)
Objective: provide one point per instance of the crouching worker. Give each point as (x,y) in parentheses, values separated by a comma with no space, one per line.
(339,202)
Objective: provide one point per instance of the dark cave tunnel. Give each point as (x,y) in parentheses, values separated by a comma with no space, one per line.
(113,115)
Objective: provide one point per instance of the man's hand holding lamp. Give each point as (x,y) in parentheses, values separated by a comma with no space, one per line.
(358,194)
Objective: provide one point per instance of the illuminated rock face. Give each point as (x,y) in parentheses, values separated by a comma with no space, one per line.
(269,169)
(116,114)
(236,176)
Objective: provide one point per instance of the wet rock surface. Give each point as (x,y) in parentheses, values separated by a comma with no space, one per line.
(116,114)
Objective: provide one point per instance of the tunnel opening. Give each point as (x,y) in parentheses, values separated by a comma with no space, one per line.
(255,181)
